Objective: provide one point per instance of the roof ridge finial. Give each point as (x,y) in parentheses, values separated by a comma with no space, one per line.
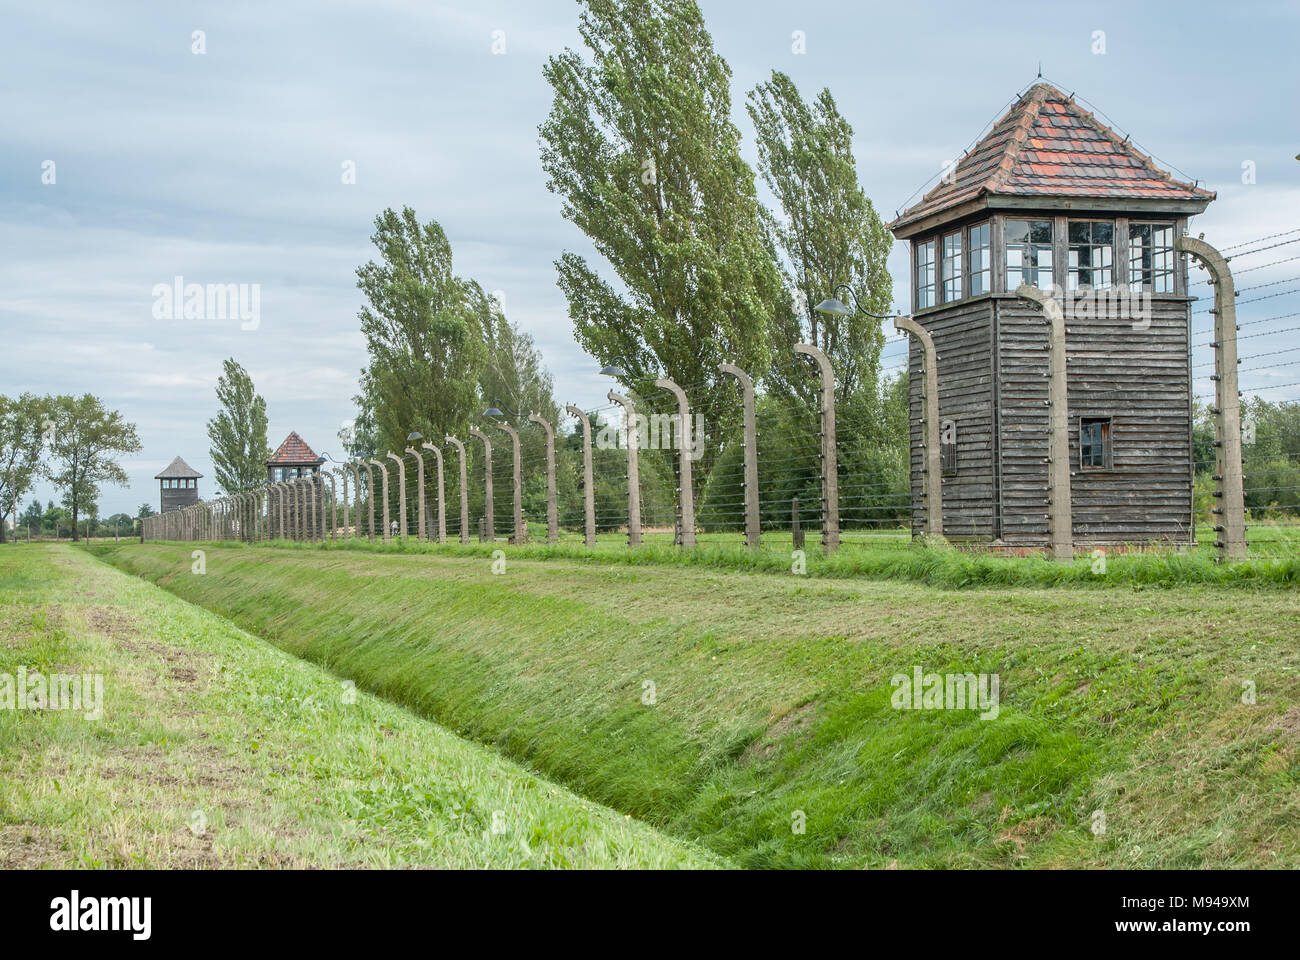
(1040,69)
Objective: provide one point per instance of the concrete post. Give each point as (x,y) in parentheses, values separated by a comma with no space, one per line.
(442,503)
(334,504)
(588,491)
(491,531)
(421,533)
(830,461)
(521,532)
(552,509)
(342,472)
(401,494)
(633,475)
(311,490)
(370,496)
(1060,517)
(279,507)
(752,526)
(1230,526)
(686,490)
(300,500)
(383,477)
(464,489)
(930,428)
(356,496)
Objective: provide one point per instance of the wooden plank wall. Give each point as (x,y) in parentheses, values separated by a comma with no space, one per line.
(963,341)
(1138,377)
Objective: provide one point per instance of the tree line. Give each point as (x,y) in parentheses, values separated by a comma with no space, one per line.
(73,442)
(641,148)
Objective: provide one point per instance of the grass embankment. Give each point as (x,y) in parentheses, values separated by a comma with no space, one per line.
(881,559)
(215,749)
(772,700)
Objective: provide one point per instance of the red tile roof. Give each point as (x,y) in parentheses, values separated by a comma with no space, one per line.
(1048,146)
(293,452)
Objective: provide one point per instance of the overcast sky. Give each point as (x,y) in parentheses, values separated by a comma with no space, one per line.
(226,166)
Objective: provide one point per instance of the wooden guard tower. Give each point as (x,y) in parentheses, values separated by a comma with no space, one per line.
(1053,198)
(178,486)
(292,460)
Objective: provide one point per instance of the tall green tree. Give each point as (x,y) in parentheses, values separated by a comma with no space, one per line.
(424,330)
(20,450)
(86,441)
(641,147)
(237,433)
(828,233)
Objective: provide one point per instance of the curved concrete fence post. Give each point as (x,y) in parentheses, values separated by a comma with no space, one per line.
(752,523)
(356,496)
(383,481)
(930,428)
(490,531)
(421,532)
(633,472)
(464,491)
(441,528)
(342,473)
(552,508)
(588,490)
(401,494)
(517,485)
(370,496)
(685,449)
(830,462)
(1060,517)
(334,504)
(304,500)
(1230,514)
(311,492)
(297,508)
(283,504)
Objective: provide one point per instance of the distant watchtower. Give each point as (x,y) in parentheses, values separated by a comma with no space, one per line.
(178,486)
(293,458)
(1054,199)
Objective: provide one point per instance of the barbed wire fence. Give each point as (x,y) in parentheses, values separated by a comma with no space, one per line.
(876,503)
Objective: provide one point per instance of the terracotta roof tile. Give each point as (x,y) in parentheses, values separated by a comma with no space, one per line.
(1047,145)
(293,452)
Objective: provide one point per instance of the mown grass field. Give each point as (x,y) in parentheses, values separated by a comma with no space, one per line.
(1120,694)
(216,749)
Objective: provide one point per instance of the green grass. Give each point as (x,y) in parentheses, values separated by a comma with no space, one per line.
(216,749)
(882,558)
(772,693)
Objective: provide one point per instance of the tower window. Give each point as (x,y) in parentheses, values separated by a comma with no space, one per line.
(980,272)
(952,267)
(1151,257)
(1092,252)
(1029,254)
(924,274)
(1094,443)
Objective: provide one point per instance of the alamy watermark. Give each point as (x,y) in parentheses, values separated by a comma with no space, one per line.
(1107,303)
(208,301)
(659,431)
(951,691)
(58,691)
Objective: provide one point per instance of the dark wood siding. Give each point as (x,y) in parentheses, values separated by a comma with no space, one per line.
(1137,377)
(963,341)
